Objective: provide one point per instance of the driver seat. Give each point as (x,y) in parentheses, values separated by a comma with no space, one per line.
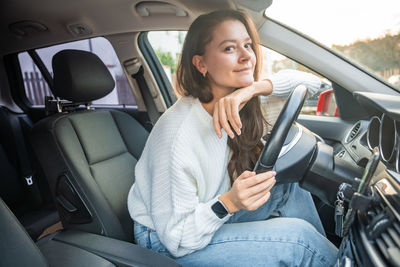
(89,156)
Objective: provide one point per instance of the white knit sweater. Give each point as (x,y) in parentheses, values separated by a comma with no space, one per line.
(183,170)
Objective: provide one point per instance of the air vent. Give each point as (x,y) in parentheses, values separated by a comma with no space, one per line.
(341,154)
(387,240)
(383,232)
(353,132)
(389,244)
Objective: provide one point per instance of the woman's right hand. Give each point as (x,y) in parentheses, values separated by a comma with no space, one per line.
(226,110)
(249,191)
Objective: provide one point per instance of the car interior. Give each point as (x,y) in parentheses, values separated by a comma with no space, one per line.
(68,156)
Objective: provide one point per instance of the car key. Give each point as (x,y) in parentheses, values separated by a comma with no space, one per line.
(339,211)
(339,215)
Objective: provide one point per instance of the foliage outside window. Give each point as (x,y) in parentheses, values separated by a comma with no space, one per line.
(380,55)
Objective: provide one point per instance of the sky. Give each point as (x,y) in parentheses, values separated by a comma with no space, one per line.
(340,21)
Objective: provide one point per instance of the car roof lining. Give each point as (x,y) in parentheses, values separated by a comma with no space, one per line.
(101,17)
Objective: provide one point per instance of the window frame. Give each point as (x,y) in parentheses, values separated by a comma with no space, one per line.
(16,82)
(157,70)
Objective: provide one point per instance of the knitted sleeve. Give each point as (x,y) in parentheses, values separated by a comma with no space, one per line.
(182,222)
(285,81)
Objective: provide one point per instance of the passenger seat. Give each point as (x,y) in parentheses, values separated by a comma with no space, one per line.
(89,156)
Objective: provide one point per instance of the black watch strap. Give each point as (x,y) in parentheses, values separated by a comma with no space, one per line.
(219,209)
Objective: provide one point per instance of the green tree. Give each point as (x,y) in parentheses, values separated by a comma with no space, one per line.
(167,59)
(379,55)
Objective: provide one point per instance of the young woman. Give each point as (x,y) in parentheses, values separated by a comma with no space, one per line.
(195,198)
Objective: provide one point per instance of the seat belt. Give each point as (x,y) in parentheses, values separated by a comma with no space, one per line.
(135,69)
(26,171)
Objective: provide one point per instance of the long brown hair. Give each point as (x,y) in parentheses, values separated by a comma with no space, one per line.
(247,147)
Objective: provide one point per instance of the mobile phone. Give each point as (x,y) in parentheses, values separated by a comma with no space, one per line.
(362,188)
(369,171)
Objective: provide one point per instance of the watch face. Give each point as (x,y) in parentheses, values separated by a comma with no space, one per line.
(219,210)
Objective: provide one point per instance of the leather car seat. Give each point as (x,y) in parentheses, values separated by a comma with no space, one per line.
(19,250)
(69,248)
(89,156)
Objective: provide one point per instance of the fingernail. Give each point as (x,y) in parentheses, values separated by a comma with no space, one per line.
(231,136)
(239,132)
(273,173)
(219,136)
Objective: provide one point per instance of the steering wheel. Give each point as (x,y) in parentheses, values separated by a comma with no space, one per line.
(288,115)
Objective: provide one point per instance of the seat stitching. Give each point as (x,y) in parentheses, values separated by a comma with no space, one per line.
(80,142)
(119,131)
(111,157)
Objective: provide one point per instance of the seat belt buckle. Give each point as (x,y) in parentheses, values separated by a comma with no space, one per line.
(29,180)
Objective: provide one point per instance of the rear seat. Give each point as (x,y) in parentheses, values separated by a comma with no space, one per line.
(33,204)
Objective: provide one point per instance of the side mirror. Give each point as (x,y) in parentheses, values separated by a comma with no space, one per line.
(327,104)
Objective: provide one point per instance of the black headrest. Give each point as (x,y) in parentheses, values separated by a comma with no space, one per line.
(80,76)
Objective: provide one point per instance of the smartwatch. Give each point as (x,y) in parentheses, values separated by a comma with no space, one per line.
(219,209)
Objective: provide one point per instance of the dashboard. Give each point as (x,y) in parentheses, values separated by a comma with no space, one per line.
(374,237)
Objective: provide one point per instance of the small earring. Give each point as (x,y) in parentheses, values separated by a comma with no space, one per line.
(204,74)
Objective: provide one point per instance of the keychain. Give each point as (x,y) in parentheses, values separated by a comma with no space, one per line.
(339,211)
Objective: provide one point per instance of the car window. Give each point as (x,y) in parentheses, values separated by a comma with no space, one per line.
(36,88)
(168,52)
(363,32)
(273,62)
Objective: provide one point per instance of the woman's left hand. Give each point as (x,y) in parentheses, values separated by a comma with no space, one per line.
(226,110)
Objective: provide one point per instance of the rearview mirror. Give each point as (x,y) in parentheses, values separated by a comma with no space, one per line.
(327,104)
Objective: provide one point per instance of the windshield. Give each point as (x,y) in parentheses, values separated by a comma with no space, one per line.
(365,32)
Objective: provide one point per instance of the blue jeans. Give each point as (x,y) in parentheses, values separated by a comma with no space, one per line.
(295,238)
